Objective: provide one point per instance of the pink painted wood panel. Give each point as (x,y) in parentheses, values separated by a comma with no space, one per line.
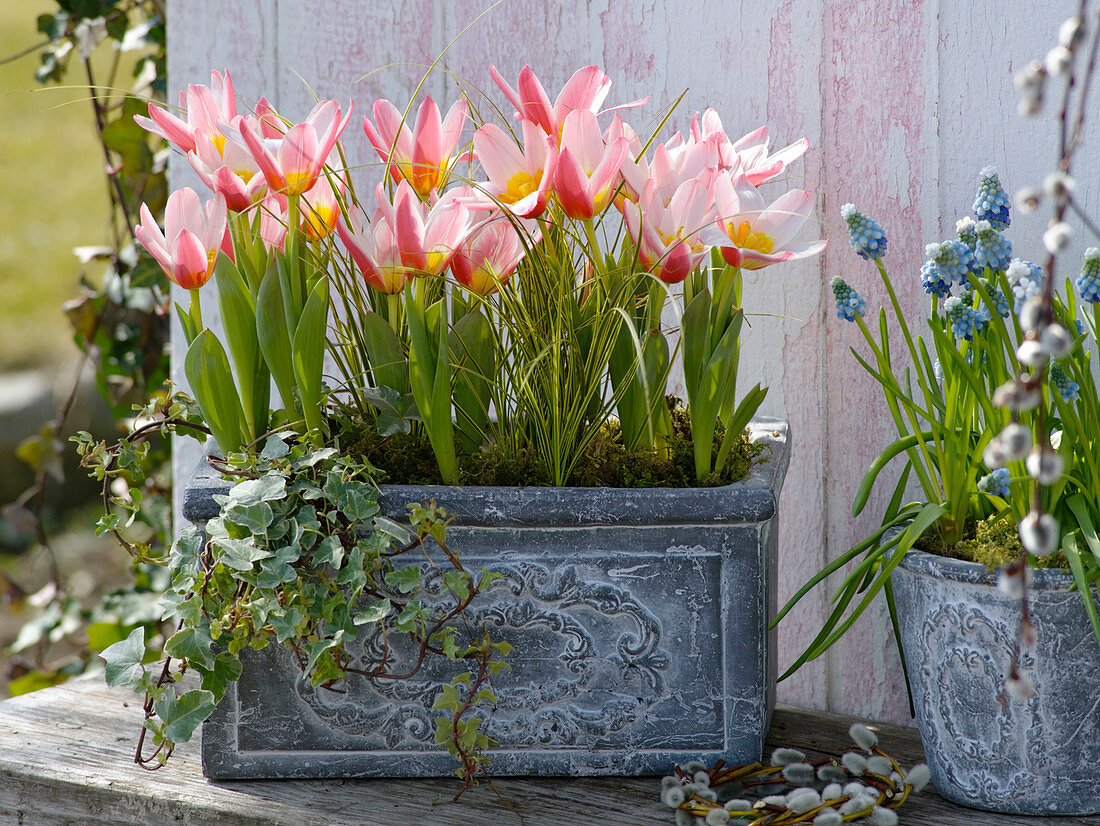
(903,104)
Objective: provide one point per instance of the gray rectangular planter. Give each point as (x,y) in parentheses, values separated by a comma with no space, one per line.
(640,624)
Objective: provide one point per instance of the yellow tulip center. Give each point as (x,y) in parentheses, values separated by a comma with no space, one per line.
(743,236)
(297,183)
(219,143)
(319,222)
(211,257)
(520,186)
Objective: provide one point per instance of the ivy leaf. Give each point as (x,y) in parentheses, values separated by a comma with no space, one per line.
(358,501)
(123,659)
(286,622)
(238,554)
(396,411)
(329,552)
(406,580)
(253,518)
(192,645)
(394,529)
(182,715)
(226,670)
(374,613)
(274,448)
(279,568)
(458,583)
(253,491)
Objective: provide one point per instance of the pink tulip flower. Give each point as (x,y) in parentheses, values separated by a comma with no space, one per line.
(321,207)
(201,108)
(674,163)
(587,169)
(427,235)
(487,260)
(425,155)
(519,179)
(273,222)
(373,247)
(233,173)
(756,162)
(585,91)
(292,162)
(752,235)
(669,238)
(192,237)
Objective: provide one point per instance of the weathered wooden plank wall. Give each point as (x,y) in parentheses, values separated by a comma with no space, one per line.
(903,103)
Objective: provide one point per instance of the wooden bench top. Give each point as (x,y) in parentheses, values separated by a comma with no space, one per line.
(66,758)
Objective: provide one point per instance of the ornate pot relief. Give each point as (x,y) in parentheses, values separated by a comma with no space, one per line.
(986,750)
(639,620)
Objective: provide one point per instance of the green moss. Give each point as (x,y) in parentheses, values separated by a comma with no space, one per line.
(408,459)
(993,542)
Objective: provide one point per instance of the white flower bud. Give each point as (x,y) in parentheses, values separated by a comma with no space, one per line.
(717,817)
(1057,237)
(668,781)
(1011,580)
(832,791)
(799,774)
(1013,396)
(995,454)
(673,797)
(1020,686)
(1058,61)
(855,788)
(701,777)
(1033,314)
(1045,466)
(881,816)
(782,757)
(1056,439)
(801,801)
(1027,199)
(831,774)
(879,765)
(1016,440)
(1039,534)
(684,818)
(706,793)
(1030,78)
(1030,352)
(918,777)
(693,766)
(737,804)
(1071,32)
(854,763)
(1058,185)
(1056,341)
(775,800)
(856,804)
(863,736)
(828,817)
(1028,633)
(1029,107)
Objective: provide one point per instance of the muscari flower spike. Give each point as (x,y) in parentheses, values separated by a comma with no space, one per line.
(991,249)
(1088,284)
(991,203)
(953,260)
(1025,279)
(1068,389)
(964,319)
(998,297)
(931,281)
(849,303)
(995,483)
(866,235)
(964,228)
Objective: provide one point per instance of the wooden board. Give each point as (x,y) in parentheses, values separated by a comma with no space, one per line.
(66,758)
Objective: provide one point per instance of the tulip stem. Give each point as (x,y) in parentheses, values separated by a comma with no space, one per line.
(196,310)
(594,246)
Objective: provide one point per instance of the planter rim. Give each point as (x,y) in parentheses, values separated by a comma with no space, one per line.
(962,570)
(752,499)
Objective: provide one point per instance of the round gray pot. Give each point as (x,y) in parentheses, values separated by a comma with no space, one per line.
(988,751)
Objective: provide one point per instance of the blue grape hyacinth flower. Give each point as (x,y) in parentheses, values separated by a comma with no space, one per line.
(1067,388)
(866,235)
(931,281)
(963,318)
(991,203)
(964,228)
(1025,279)
(1088,283)
(991,249)
(953,260)
(995,483)
(849,303)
